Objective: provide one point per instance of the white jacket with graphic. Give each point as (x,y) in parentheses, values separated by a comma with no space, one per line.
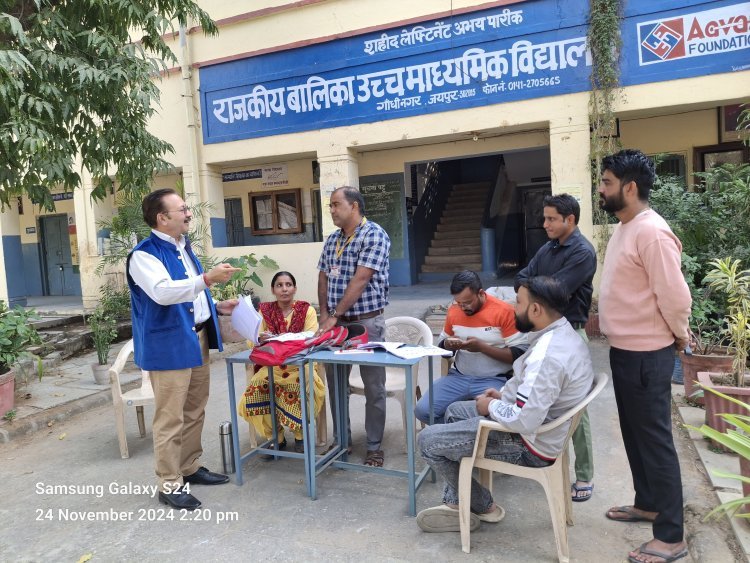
(554,375)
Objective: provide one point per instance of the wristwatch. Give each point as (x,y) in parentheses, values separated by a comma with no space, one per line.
(333,314)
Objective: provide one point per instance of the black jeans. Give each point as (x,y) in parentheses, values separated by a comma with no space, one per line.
(643,390)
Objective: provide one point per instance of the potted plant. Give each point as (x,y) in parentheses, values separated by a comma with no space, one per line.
(592,324)
(704,218)
(104,332)
(238,286)
(708,352)
(16,335)
(728,277)
(735,440)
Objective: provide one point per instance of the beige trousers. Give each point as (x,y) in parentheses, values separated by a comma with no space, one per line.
(180,401)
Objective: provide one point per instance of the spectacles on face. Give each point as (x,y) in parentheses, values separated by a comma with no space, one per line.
(184,210)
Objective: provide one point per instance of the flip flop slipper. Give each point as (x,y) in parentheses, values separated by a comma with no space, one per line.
(631,516)
(653,553)
(494,516)
(443,519)
(575,489)
(374,458)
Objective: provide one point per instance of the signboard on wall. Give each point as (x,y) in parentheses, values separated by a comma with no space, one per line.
(384,204)
(241,175)
(521,51)
(704,38)
(275,175)
(513,52)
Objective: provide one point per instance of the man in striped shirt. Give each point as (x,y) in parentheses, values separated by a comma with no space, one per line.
(353,288)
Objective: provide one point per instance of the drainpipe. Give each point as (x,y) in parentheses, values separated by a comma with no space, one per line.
(187,97)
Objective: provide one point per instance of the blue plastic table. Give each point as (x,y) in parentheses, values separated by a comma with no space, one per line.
(337,457)
(243,358)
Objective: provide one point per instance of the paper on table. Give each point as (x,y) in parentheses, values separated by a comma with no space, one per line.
(292,336)
(246,320)
(404,351)
(409,352)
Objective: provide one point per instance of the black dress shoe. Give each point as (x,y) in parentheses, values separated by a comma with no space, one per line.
(299,446)
(205,477)
(179,500)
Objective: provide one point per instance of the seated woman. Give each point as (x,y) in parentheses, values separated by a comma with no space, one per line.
(280,316)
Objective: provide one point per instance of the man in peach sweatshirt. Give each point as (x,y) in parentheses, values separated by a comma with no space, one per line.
(644,305)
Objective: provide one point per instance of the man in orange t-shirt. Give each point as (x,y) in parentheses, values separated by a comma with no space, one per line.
(482,332)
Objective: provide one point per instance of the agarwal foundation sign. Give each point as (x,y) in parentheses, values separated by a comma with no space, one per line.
(709,32)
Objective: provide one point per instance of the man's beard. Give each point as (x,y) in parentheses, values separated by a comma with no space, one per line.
(612,204)
(523,324)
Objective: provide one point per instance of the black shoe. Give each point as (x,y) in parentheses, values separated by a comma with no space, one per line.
(299,446)
(269,457)
(179,500)
(205,477)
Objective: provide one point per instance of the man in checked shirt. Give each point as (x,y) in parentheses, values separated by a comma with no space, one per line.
(353,288)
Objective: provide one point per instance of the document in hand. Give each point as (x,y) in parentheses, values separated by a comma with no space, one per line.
(246,320)
(405,351)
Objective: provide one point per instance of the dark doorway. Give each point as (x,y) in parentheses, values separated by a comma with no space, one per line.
(534,235)
(234,223)
(59,275)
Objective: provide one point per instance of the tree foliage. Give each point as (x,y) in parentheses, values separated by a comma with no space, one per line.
(78,79)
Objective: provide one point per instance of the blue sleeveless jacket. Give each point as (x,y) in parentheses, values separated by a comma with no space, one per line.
(163,335)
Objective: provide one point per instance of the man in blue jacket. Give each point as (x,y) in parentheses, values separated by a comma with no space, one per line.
(174,325)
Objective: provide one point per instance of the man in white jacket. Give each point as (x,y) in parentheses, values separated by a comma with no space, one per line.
(552,376)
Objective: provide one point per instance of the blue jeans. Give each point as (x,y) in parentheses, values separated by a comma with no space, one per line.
(455,386)
(443,446)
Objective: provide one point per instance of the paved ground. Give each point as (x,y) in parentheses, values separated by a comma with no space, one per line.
(357,516)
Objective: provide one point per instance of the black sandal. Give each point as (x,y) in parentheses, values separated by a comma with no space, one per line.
(269,457)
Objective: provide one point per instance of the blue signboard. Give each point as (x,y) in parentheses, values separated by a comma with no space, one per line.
(524,50)
(518,51)
(704,38)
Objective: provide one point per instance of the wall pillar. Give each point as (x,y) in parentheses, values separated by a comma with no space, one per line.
(13,287)
(336,170)
(87,214)
(214,193)
(570,163)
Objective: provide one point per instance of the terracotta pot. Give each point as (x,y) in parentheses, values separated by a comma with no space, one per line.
(745,472)
(716,405)
(7,391)
(592,326)
(228,334)
(693,363)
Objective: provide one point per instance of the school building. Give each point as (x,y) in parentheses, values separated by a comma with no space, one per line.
(453,117)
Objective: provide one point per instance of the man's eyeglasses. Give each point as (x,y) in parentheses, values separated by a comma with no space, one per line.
(184,210)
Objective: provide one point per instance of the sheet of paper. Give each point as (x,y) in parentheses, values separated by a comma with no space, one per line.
(246,320)
(353,351)
(293,336)
(410,352)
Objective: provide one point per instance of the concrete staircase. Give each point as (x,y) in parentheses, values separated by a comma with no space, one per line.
(456,243)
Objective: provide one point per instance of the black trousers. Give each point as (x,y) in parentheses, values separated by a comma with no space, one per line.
(643,390)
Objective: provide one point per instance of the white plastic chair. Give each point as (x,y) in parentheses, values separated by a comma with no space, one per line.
(554,478)
(409,331)
(143,395)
